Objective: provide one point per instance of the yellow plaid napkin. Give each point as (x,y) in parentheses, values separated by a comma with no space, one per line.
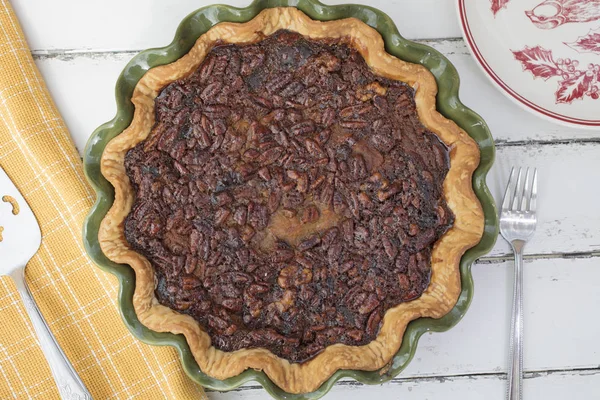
(76,298)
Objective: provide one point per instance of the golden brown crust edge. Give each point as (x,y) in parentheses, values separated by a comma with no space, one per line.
(444,289)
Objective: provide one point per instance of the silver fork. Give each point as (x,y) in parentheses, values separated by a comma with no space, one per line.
(20,239)
(517,225)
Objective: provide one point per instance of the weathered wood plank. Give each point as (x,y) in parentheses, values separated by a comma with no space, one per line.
(557,301)
(573,385)
(73,76)
(568,220)
(135,25)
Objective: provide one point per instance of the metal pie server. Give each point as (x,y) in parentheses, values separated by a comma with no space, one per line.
(21,239)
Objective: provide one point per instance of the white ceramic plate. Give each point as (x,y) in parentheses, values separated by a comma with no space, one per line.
(543,54)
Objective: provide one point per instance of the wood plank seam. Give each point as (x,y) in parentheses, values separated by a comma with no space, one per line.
(528,375)
(539,256)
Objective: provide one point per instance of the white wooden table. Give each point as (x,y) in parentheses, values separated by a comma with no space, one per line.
(81,47)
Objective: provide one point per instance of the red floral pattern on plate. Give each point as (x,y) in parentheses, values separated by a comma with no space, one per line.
(553,13)
(574,83)
(497,5)
(589,43)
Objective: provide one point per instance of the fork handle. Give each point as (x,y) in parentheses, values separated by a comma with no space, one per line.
(69,384)
(515,367)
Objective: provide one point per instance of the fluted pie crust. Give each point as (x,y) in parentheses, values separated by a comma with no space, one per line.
(444,288)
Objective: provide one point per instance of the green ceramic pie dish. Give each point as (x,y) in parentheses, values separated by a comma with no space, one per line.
(448,104)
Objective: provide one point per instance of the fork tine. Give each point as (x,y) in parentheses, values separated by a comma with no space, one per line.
(508,192)
(533,199)
(526,193)
(515,201)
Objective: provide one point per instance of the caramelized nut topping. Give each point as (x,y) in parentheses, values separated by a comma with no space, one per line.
(287,197)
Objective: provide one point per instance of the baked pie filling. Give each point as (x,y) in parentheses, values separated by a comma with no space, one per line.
(287,196)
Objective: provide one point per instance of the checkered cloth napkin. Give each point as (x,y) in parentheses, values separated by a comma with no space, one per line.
(78,300)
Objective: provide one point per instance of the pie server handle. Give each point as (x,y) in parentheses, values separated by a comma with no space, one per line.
(69,384)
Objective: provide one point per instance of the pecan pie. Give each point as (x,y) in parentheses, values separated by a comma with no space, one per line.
(290,199)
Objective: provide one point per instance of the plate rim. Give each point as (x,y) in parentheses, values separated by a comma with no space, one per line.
(448,103)
(505,89)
